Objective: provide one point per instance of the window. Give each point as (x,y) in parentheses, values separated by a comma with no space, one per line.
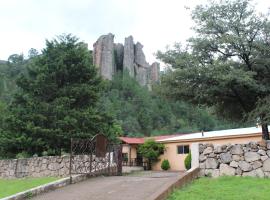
(183,149)
(125,157)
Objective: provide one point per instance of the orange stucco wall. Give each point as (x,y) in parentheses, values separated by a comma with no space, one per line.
(131,150)
(125,148)
(177,160)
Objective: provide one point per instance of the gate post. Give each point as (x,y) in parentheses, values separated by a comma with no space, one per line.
(109,162)
(119,161)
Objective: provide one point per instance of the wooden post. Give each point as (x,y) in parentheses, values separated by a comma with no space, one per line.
(91,161)
(109,159)
(129,155)
(119,160)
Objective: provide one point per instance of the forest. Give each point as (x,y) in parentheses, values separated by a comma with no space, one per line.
(219,80)
(45,100)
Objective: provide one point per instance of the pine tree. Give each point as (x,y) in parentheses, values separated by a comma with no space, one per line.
(57,100)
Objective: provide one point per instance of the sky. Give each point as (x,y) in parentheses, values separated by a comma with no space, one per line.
(154,23)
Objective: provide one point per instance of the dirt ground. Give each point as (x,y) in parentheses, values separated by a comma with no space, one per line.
(136,186)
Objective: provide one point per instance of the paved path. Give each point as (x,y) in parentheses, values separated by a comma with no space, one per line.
(137,186)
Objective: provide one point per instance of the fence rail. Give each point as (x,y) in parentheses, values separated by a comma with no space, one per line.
(135,163)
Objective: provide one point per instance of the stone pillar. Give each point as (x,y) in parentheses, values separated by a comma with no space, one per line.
(141,66)
(194,155)
(103,56)
(129,56)
(155,69)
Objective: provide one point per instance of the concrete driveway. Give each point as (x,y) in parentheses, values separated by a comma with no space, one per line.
(136,186)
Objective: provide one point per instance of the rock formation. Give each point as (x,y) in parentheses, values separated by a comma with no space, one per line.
(111,58)
(155,69)
(128,62)
(119,56)
(103,56)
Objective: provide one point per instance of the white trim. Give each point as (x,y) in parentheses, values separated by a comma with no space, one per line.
(210,134)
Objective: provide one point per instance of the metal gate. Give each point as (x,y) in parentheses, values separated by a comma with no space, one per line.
(95,156)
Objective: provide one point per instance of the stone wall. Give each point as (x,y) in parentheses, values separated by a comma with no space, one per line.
(35,167)
(250,159)
(50,166)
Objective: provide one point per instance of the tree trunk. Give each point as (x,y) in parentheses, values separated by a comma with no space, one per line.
(265,132)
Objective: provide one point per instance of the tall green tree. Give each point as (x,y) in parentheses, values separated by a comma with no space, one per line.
(56,101)
(226,65)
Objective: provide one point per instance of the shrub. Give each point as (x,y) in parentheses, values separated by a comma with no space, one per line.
(23,154)
(165,165)
(188,161)
(151,150)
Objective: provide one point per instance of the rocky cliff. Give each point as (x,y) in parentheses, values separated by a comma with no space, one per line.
(103,55)
(111,58)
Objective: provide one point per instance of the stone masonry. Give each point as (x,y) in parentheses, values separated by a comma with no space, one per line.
(110,58)
(35,167)
(252,159)
(49,166)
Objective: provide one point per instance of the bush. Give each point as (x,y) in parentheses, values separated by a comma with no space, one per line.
(165,165)
(188,161)
(23,154)
(151,150)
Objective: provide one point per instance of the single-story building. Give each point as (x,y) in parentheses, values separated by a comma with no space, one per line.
(131,157)
(178,146)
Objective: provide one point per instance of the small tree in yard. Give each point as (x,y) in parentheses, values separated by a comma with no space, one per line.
(151,150)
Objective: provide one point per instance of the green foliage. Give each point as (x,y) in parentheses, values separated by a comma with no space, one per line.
(151,150)
(165,165)
(129,103)
(3,112)
(188,161)
(142,113)
(226,65)
(224,188)
(29,195)
(22,154)
(261,111)
(9,72)
(57,100)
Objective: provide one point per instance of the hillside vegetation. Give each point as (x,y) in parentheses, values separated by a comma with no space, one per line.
(48,98)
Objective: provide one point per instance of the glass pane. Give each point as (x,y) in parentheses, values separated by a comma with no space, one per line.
(180,149)
(186,149)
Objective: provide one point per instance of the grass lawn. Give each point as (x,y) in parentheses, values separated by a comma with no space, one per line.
(225,188)
(13,186)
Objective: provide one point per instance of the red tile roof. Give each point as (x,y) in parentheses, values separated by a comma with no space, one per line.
(131,140)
